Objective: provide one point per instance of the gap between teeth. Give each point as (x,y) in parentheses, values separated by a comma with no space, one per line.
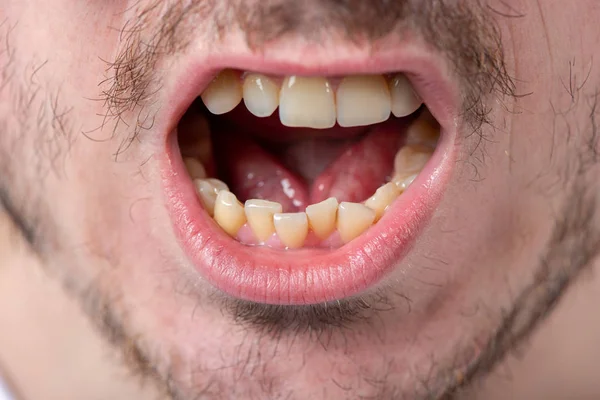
(313,102)
(266,219)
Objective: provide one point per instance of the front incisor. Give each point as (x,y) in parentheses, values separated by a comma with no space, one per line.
(291,229)
(260,217)
(322,217)
(307,102)
(363,100)
(354,219)
(229,213)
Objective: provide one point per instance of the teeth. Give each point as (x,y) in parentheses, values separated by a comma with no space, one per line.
(195,168)
(322,217)
(260,217)
(404,183)
(383,197)
(353,220)
(261,95)
(208,189)
(404,99)
(411,159)
(229,212)
(224,93)
(307,102)
(423,132)
(363,100)
(292,229)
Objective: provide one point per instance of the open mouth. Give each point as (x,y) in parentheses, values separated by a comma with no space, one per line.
(299,189)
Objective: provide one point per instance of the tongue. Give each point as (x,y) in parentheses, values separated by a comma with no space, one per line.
(354,169)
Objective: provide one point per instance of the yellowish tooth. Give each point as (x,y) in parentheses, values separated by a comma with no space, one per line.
(411,159)
(423,132)
(218,184)
(224,93)
(292,229)
(260,217)
(229,212)
(322,217)
(261,95)
(403,182)
(353,220)
(195,168)
(363,100)
(307,102)
(208,189)
(405,100)
(383,197)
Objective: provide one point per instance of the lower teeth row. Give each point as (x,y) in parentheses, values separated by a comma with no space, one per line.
(263,222)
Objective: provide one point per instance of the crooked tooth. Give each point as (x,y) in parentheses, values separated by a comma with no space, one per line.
(353,219)
(195,168)
(229,212)
(224,93)
(292,229)
(383,197)
(260,217)
(424,131)
(405,100)
(322,217)
(363,100)
(261,95)
(307,102)
(411,159)
(208,189)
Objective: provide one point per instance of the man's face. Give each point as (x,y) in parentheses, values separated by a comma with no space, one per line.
(413,292)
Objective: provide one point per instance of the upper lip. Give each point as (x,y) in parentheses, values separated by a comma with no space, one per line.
(299,277)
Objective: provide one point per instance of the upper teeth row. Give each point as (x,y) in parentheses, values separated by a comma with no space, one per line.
(312,102)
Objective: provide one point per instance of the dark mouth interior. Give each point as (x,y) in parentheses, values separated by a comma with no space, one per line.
(260,158)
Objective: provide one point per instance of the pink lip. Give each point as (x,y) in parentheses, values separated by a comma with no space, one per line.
(309,276)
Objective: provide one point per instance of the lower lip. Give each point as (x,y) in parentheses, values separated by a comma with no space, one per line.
(306,276)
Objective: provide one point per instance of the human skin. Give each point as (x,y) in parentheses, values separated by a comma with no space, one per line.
(95,285)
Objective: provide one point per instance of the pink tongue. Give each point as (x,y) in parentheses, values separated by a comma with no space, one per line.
(355,170)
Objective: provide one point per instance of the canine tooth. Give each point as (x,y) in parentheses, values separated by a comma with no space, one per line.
(404,182)
(292,229)
(353,220)
(208,189)
(422,132)
(307,102)
(363,100)
(224,93)
(322,217)
(229,212)
(383,197)
(411,159)
(195,168)
(261,95)
(405,100)
(260,217)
